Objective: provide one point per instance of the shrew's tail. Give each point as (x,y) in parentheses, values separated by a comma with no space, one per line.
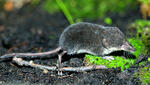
(31,55)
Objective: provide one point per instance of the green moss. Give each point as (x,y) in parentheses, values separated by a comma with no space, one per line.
(142,27)
(140,47)
(149,59)
(143,63)
(143,32)
(143,36)
(118,61)
(144,75)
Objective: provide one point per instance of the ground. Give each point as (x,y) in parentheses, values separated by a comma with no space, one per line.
(36,30)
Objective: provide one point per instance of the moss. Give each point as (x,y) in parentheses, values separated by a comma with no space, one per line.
(140,47)
(143,32)
(118,61)
(143,36)
(143,63)
(142,27)
(149,59)
(144,75)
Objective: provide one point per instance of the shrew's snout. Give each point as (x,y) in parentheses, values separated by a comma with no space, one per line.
(127,47)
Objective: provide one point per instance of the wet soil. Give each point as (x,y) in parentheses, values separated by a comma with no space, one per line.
(36,30)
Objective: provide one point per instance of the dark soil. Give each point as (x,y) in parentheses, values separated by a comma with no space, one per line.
(36,30)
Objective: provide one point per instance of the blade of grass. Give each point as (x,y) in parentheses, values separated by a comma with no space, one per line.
(65,11)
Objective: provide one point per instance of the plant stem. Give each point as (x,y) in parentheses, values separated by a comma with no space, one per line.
(65,11)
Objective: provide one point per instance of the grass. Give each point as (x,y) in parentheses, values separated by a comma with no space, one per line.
(65,11)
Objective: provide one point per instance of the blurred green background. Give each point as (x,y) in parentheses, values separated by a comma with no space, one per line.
(77,10)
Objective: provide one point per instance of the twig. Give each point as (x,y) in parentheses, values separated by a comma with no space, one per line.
(22,62)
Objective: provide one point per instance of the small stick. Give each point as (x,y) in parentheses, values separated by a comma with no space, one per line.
(22,62)
(32,55)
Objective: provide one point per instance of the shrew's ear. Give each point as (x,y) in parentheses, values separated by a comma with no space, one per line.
(105,43)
